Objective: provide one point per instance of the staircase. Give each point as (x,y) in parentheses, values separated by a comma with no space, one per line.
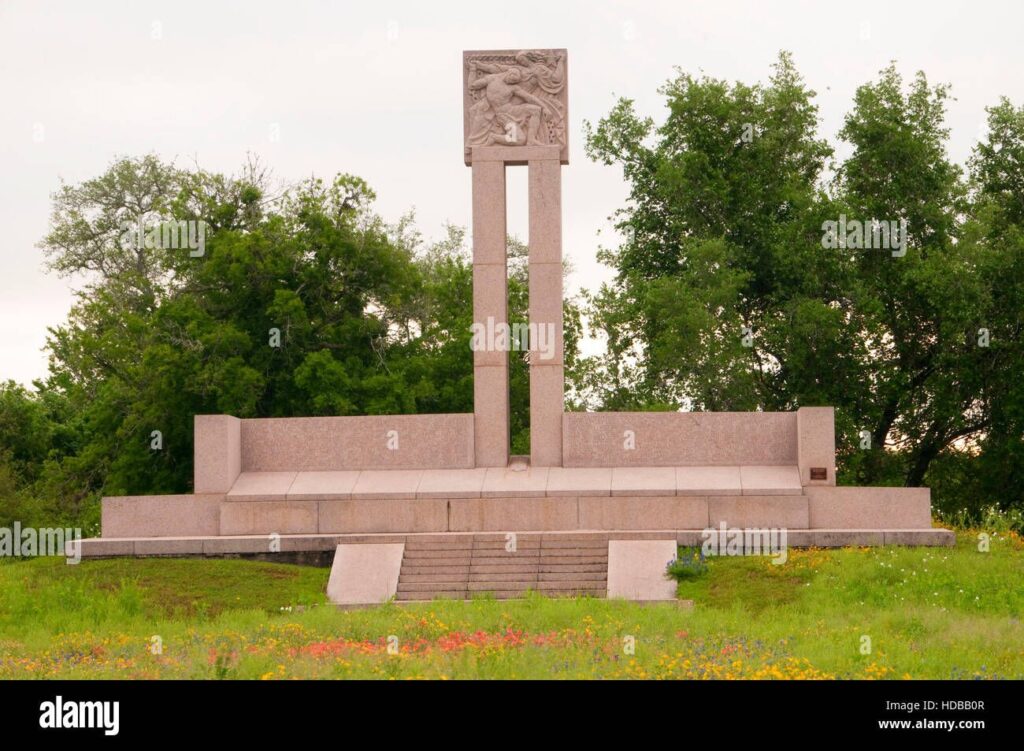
(466,566)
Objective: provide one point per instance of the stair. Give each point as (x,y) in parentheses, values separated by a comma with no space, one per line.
(467,566)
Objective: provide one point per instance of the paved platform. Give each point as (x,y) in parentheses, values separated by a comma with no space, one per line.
(505,483)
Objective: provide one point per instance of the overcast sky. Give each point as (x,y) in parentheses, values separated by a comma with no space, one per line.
(374,89)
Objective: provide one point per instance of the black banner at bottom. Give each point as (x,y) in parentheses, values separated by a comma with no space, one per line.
(115,712)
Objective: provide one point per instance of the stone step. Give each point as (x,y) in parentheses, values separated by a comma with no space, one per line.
(499,590)
(461,560)
(431,587)
(508,568)
(491,585)
(439,569)
(506,559)
(558,568)
(465,567)
(437,545)
(575,576)
(427,596)
(574,544)
(505,576)
(419,578)
(573,559)
(504,544)
(438,553)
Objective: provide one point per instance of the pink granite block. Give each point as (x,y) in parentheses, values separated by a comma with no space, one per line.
(703,481)
(489,230)
(309,543)
(323,486)
(869,508)
(545,190)
(579,481)
(512,156)
(383,516)
(365,574)
(491,416)
(816,444)
(349,443)
(547,389)
(241,544)
(95,547)
(161,515)
(451,483)
(170,546)
(922,537)
(512,514)
(217,453)
(268,517)
(261,486)
(421,441)
(636,481)
(643,512)
(847,538)
(547,345)
(649,439)
(637,569)
(490,314)
(800,538)
(388,483)
(506,483)
(690,538)
(770,480)
(758,511)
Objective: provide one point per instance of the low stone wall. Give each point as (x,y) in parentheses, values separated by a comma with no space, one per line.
(378,442)
(660,439)
(226,446)
(161,515)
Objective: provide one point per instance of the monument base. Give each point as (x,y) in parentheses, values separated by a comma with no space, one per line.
(408,516)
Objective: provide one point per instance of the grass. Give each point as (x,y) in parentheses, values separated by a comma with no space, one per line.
(926,613)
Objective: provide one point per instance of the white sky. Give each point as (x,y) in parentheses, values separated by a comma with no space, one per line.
(374,89)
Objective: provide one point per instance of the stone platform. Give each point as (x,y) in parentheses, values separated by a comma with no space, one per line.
(315,481)
(531,499)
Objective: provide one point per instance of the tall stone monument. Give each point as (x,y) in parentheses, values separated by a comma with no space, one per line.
(388,492)
(515,113)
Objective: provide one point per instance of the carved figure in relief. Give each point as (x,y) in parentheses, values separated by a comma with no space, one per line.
(517,104)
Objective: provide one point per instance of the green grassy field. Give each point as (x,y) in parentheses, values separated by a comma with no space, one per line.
(853,613)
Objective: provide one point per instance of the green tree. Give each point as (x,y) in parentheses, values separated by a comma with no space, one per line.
(727,298)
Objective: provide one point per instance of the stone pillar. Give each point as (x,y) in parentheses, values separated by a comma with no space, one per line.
(547,381)
(490,309)
(816,445)
(515,113)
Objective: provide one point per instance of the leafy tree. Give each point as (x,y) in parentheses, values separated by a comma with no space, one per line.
(302,302)
(729,200)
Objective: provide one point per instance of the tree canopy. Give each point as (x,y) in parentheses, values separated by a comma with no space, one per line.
(727,298)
